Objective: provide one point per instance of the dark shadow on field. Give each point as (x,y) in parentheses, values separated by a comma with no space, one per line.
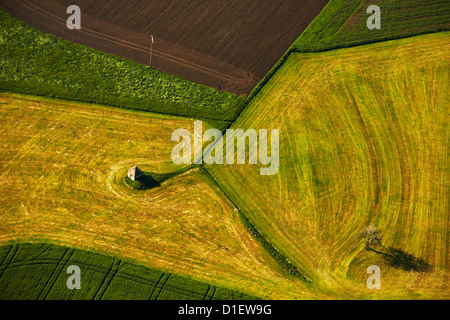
(144,182)
(148,182)
(402,260)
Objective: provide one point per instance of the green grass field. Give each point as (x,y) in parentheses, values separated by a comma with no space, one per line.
(343,23)
(39,272)
(39,64)
(364,140)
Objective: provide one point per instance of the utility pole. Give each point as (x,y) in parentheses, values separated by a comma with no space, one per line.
(151,52)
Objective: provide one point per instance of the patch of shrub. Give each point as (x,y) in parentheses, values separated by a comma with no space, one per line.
(144,182)
(44,65)
(150,180)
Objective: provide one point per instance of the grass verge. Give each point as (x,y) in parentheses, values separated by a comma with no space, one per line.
(39,64)
(363,140)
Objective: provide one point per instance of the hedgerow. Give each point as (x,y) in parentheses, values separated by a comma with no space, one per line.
(269,247)
(138,184)
(39,64)
(342,24)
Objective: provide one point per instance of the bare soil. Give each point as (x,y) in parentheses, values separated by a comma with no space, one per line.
(226,44)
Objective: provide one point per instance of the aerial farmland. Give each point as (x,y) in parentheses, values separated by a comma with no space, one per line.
(226,44)
(224,150)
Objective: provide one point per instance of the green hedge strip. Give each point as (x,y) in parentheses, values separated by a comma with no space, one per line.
(332,28)
(32,62)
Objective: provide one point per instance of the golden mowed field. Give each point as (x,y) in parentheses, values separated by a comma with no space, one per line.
(364,140)
(61,181)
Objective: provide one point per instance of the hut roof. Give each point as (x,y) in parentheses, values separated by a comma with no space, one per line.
(135,171)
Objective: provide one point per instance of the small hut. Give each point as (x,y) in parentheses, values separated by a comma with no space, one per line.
(135,173)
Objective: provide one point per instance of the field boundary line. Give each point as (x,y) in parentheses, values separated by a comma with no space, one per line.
(104,286)
(6,257)
(133,46)
(110,274)
(162,286)
(261,239)
(68,253)
(16,246)
(145,282)
(39,252)
(55,261)
(210,289)
(272,72)
(56,279)
(156,285)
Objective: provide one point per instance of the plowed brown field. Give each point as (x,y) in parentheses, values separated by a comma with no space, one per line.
(227,44)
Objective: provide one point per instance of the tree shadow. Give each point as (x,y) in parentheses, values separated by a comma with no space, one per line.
(401,260)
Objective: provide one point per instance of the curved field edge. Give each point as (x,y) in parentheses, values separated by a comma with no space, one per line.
(38,271)
(62,168)
(40,64)
(364,142)
(276,255)
(342,24)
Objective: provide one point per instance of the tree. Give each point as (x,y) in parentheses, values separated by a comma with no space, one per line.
(372,236)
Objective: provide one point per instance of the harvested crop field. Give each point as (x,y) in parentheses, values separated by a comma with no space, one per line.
(62,168)
(363,140)
(227,44)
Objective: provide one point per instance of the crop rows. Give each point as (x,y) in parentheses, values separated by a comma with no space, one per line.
(40,64)
(342,24)
(251,35)
(36,271)
(362,143)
